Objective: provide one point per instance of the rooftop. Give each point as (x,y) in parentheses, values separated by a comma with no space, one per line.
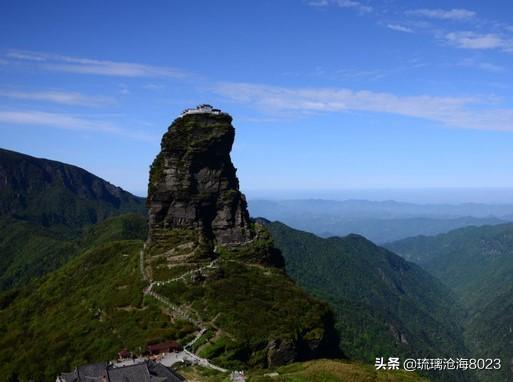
(147,371)
(202,109)
(164,346)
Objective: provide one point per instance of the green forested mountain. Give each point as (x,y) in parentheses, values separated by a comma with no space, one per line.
(45,206)
(30,250)
(477,264)
(84,312)
(94,306)
(58,195)
(384,305)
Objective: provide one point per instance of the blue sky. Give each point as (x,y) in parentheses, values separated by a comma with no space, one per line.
(325,94)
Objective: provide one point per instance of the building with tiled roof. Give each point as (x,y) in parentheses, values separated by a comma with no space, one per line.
(147,371)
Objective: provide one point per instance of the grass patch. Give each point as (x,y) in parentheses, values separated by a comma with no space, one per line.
(334,371)
(195,373)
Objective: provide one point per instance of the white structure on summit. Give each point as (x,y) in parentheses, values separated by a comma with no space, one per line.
(201,109)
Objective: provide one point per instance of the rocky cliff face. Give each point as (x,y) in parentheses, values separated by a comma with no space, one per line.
(193,183)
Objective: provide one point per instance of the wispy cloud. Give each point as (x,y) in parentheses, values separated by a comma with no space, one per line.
(27,56)
(483,65)
(459,112)
(57,120)
(443,14)
(152,86)
(68,122)
(61,97)
(93,66)
(356,5)
(400,28)
(472,40)
(360,73)
(487,34)
(319,3)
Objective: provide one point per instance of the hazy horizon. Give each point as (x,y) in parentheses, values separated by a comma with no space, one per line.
(419,195)
(428,195)
(131,181)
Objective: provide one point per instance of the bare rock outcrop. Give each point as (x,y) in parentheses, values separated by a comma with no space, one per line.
(193,182)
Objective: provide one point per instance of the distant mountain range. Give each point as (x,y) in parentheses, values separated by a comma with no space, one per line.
(380,222)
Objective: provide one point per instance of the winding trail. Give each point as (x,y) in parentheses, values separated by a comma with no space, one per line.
(141,263)
(184,355)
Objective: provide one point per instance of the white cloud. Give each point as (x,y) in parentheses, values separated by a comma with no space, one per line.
(61,121)
(472,40)
(483,65)
(26,56)
(68,122)
(353,4)
(356,5)
(444,14)
(152,86)
(93,66)
(496,36)
(459,112)
(67,98)
(319,3)
(399,28)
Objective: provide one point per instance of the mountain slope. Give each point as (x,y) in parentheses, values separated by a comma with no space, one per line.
(94,306)
(85,312)
(29,250)
(488,333)
(384,305)
(477,263)
(45,206)
(55,194)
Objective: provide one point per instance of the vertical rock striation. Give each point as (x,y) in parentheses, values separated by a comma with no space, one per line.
(193,182)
